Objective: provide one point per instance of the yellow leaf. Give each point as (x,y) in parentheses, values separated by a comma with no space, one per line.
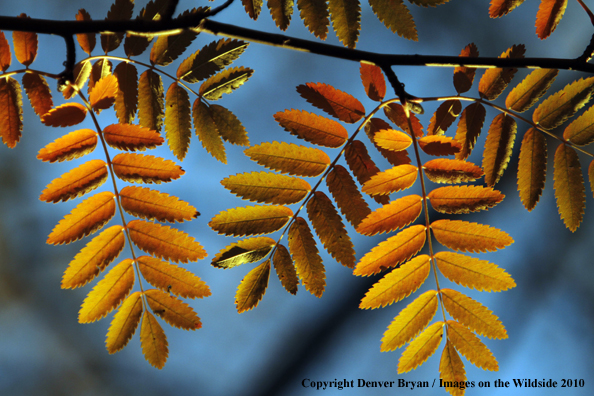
(165,242)
(419,350)
(86,218)
(108,293)
(444,116)
(469,237)
(397,214)
(312,128)
(178,128)
(444,170)
(499,8)
(249,250)
(126,101)
(314,14)
(65,115)
(329,227)
(86,41)
(131,137)
(228,125)
(252,287)
(393,251)
(347,196)
(464,76)
(336,103)
(290,158)
(472,314)
(103,94)
(25,45)
(207,131)
(38,92)
(305,255)
(141,168)
(398,284)
(153,341)
(392,180)
(470,346)
(464,199)
(527,93)
(472,272)
(569,187)
(548,16)
(224,82)
(410,321)
(150,204)
(101,68)
(210,59)
(562,105)
(469,127)
(267,187)
(346,20)
(5,57)
(11,111)
(439,145)
(581,130)
(373,81)
(82,71)
(172,278)
(78,181)
(150,100)
(451,370)
(396,16)
(94,257)
(495,80)
(362,165)
(71,146)
(391,139)
(498,148)
(124,323)
(532,168)
(172,310)
(285,270)
(281,11)
(251,220)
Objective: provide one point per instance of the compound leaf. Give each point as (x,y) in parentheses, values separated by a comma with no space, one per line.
(251,220)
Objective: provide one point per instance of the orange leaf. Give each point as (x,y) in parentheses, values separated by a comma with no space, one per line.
(569,187)
(150,100)
(495,80)
(410,321)
(398,284)
(70,146)
(172,278)
(395,112)
(267,187)
(87,42)
(464,199)
(469,237)
(392,180)
(362,165)
(25,45)
(65,115)
(329,227)
(336,103)
(251,220)
(308,263)
(126,100)
(548,16)
(285,269)
(290,158)
(347,196)
(207,131)
(252,287)
(172,310)
(78,181)
(38,92)
(470,346)
(393,251)
(397,214)
(140,168)
(131,137)
(581,130)
(178,128)
(11,111)
(451,370)
(469,127)
(498,147)
(150,204)
(472,314)
(532,168)
(165,242)
(499,8)
(108,293)
(101,69)
(103,94)
(472,272)
(391,139)
(439,145)
(373,81)
(421,348)
(5,57)
(444,116)
(527,93)
(562,105)
(86,218)
(443,170)
(312,128)
(153,341)
(82,71)
(249,250)
(464,76)
(372,128)
(124,323)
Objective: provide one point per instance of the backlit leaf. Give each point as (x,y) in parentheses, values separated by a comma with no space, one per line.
(315,16)
(101,69)
(131,137)
(373,81)
(86,218)
(82,71)
(285,269)
(70,146)
(38,93)
(5,56)
(421,348)
(398,284)
(207,131)
(439,145)
(251,220)
(532,168)
(136,45)
(252,287)
(153,341)
(11,111)
(150,100)
(312,128)
(562,105)
(290,158)
(397,214)
(393,251)
(65,115)
(548,16)
(154,205)
(530,90)
(139,168)
(591,176)
(86,41)
(124,323)
(472,314)
(392,180)
(498,147)
(393,140)
(178,129)
(281,11)
(451,370)
(444,116)
(428,3)
(172,310)
(172,278)
(305,255)
(108,293)
(469,237)
(224,82)
(346,20)
(569,187)
(472,272)
(120,10)
(362,165)
(396,16)
(267,187)
(464,199)
(347,196)
(495,80)
(249,250)
(471,347)
(168,48)
(103,94)
(210,59)
(94,257)
(25,45)
(78,181)
(464,76)
(253,7)
(337,103)
(581,130)
(395,112)
(165,242)
(127,98)
(499,8)
(228,125)
(372,128)
(410,321)
(444,170)
(329,227)
(469,127)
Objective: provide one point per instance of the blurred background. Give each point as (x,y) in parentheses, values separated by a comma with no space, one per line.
(270,350)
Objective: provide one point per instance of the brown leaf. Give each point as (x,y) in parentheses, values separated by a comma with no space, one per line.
(210,59)
(38,93)
(569,187)
(305,255)
(495,80)
(532,168)
(464,76)
(127,97)
(499,8)
(498,147)
(25,45)
(285,269)
(469,127)
(336,103)
(346,21)
(372,128)
(444,116)
(347,196)
(281,11)
(315,16)
(5,57)
(86,41)
(362,165)
(65,115)
(150,100)
(120,10)
(439,145)
(395,112)
(373,81)
(11,112)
